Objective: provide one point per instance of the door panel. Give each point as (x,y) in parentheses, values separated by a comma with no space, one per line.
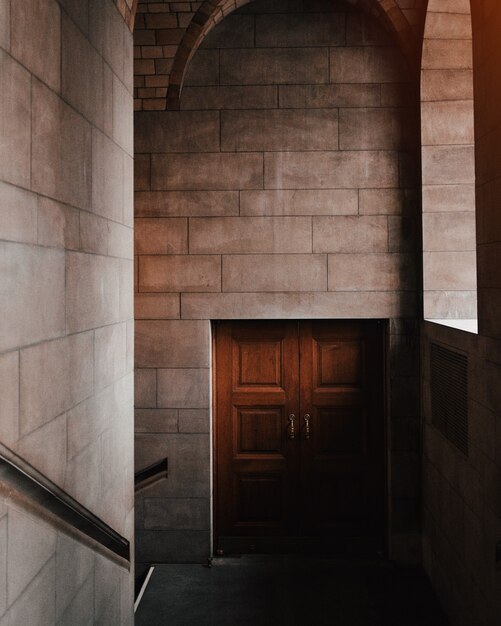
(342,462)
(257,389)
(259,431)
(259,499)
(257,363)
(340,431)
(327,481)
(338,363)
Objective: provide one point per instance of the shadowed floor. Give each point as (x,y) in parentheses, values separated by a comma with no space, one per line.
(283,590)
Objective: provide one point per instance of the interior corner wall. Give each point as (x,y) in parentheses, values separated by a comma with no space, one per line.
(285,187)
(461,501)
(66,276)
(487,85)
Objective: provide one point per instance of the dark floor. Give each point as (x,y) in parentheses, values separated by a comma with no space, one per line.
(283,590)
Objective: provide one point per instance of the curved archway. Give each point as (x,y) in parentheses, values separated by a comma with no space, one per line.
(213,11)
(448,174)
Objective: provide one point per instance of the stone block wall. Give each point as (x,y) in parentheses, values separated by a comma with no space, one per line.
(461,496)
(448,170)
(66,274)
(285,187)
(47,577)
(167,33)
(461,499)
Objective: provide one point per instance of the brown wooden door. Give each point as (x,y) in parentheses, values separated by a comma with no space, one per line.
(325,478)
(257,367)
(342,460)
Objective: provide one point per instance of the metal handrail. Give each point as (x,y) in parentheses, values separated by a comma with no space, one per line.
(150,475)
(28,482)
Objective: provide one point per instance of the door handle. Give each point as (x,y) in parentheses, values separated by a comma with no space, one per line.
(291,431)
(307,425)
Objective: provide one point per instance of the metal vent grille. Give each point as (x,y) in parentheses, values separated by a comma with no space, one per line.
(449,395)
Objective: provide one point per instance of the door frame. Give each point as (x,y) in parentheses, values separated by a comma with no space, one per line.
(383,324)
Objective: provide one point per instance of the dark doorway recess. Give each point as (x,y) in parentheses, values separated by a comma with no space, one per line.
(300,436)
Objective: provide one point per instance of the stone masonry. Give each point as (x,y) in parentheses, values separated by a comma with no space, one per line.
(284,187)
(66,268)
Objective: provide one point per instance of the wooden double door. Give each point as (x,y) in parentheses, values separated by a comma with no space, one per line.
(299,435)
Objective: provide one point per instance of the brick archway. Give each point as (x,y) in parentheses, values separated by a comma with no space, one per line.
(212,12)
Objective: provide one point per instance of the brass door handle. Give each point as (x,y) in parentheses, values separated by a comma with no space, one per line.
(291,431)
(307,425)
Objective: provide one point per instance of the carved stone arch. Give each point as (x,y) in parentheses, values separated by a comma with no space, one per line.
(212,12)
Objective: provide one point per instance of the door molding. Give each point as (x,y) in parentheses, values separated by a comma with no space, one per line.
(379,331)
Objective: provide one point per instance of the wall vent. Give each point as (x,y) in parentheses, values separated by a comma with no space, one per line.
(449,395)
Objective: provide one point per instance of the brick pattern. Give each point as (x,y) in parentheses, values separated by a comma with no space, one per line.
(167,34)
(158,30)
(66,249)
(449,242)
(284,187)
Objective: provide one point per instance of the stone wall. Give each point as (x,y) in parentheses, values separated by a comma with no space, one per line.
(285,187)
(461,500)
(49,578)
(461,496)
(167,34)
(487,80)
(66,271)
(448,175)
